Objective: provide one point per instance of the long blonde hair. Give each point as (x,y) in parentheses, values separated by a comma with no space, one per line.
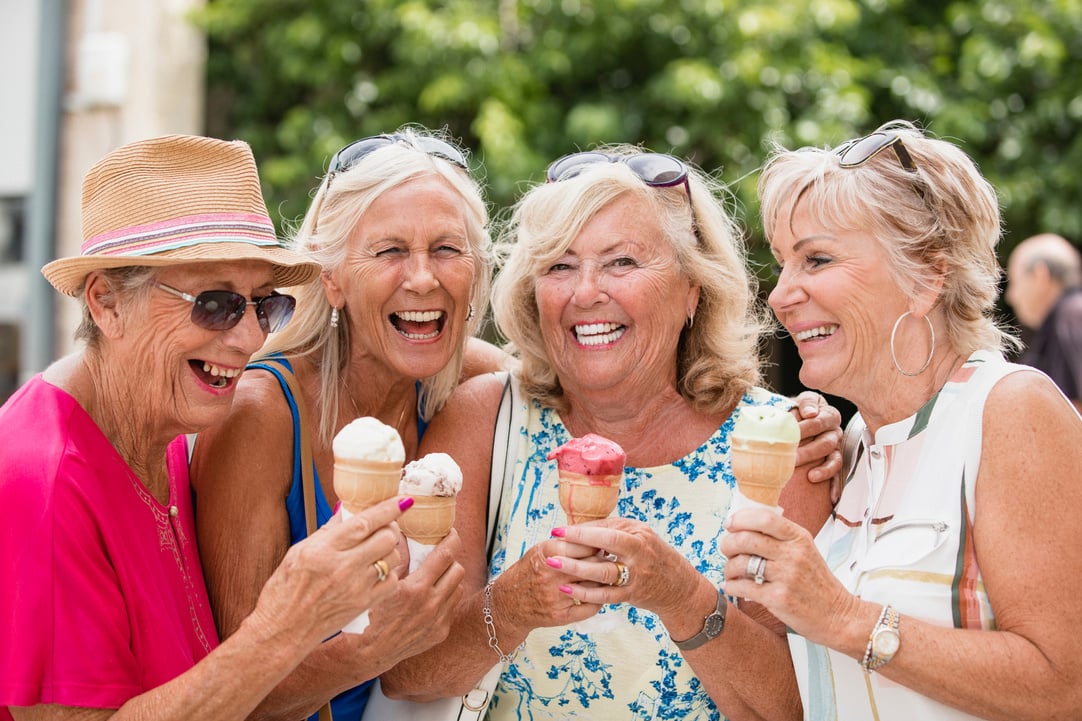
(324,235)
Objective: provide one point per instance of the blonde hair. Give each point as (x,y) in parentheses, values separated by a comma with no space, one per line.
(940,221)
(717,358)
(340,202)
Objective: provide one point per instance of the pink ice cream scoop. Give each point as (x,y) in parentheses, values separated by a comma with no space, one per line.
(591,468)
(590,455)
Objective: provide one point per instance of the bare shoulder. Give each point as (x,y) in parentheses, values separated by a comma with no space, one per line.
(1029,431)
(470,409)
(483,357)
(256,433)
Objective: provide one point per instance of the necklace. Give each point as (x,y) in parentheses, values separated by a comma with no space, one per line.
(401,416)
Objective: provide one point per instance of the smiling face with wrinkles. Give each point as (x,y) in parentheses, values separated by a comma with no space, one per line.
(407,278)
(613,306)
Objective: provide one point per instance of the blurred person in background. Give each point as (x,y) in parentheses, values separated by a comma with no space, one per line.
(1044,288)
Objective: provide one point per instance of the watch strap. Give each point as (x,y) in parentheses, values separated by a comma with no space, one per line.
(713,624)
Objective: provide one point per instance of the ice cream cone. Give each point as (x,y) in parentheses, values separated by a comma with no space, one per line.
(361,483)
(762,468)
(588,498)
(429,519)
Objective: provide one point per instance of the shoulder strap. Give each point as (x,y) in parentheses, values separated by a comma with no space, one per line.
(508,420)
(281,369)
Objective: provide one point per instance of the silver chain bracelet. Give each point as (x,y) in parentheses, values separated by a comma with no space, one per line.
(491,628)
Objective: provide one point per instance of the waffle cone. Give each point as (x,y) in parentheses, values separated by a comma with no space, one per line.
(762,468)
(361,483)
(588,498)
(429,519)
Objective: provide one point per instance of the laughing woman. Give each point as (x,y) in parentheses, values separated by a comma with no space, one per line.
(400,229)
(104,613)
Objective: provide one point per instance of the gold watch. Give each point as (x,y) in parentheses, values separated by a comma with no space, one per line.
(884,641)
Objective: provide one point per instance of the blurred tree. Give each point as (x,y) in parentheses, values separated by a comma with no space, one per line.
(524,81)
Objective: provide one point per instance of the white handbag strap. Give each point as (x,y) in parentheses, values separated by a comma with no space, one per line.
(509,420)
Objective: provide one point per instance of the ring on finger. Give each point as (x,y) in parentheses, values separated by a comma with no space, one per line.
(623,575)
(382,570)
(753,565)
(760,572)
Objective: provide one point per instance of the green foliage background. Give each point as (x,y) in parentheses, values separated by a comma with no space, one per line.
(521,82)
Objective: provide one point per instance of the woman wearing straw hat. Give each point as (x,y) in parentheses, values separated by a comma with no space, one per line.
(104,609)
(399,227)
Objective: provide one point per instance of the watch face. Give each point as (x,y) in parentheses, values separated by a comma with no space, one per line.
(713,625)
(885,643)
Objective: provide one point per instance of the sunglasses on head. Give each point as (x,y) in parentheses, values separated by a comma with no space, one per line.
(859,151)
(350,155)
(657,170)
(223,309)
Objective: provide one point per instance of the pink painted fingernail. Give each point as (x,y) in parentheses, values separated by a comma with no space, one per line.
(566,589)
(336,507)
(559,532)
(554,562)
(405,503)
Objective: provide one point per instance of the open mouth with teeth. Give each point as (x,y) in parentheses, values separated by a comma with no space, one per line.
(419,324)
(213,375)
(822,331)
(595,334)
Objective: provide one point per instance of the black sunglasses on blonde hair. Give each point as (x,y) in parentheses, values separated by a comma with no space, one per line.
(223,309)
(858,151)
(658,170)
(351,154)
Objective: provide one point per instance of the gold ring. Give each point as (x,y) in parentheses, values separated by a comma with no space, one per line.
(382,570)
(576,601)
(623,575)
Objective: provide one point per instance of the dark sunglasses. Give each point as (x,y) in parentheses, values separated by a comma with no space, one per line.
(350,155)
(657,170)
(223,309)
(859,151)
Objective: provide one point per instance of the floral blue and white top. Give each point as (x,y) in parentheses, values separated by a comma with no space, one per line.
(620,664)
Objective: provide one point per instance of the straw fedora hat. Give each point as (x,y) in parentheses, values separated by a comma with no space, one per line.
(174,200)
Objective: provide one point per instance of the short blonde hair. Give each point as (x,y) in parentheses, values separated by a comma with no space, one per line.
(324,235)
(717,359)
(939,221)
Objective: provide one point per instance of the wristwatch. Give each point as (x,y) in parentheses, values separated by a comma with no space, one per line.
(712,627)
(884,641)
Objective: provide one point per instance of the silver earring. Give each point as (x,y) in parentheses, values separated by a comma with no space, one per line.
(469,312)
(689,321)
(334,317)
(894,356)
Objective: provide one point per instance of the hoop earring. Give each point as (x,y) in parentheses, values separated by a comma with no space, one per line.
(689,322)
(469,312)
(894,356)
(334,317)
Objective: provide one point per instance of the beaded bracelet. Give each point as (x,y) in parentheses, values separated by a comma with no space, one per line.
(491,628)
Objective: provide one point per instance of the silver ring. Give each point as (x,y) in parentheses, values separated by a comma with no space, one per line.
(382,570)
(753,565)
(760,571)
(623,574)
(610,557)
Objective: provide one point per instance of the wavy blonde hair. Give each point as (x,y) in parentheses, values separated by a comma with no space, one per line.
(717,357)
(324,236)
(938,222)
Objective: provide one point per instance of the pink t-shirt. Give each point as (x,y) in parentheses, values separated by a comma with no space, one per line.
(101,590)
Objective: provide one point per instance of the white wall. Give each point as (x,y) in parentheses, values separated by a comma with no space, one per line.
(18,79)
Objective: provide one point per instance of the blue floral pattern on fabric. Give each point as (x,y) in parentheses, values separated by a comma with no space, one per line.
(621,663)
